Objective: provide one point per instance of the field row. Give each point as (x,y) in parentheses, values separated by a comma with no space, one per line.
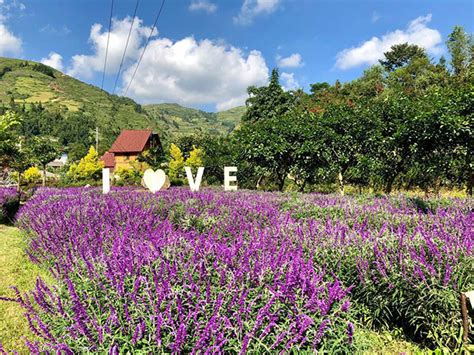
(243,272)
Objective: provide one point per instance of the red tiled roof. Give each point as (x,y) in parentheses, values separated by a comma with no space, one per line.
(130,141)
(108,159)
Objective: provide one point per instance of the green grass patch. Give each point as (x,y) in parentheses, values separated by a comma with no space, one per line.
(16,270)
(371,342)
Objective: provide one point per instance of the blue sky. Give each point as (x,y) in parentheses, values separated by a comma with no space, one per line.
(206,52)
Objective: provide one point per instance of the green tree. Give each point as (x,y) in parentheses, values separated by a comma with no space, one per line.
(267,144)
(154,157)
(9,121)
(308,149)
(88,169)
(44,149)
(195,159)
(460,46)
(219,152)
(176,163)
(17,158)
(267,102)
(76,133)
(343,136)
(400,55)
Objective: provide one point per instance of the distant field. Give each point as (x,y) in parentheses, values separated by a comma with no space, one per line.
(179,120)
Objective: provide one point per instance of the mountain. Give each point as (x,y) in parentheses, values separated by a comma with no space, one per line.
(24,82)
(30,82)
(179,120)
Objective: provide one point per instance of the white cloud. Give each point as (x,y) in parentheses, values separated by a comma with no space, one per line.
(85,66)
(375,17)
(202,5)
(371,51)
(192,72)
(289,81)
(9,43)
(253,8)
(185,71)
(54,60)
(12,5)
(293,61)
(63,31)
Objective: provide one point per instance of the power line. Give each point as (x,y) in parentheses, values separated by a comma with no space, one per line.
(126,46)
(107,47)
(146,44)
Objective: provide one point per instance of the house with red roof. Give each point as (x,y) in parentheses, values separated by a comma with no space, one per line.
(128,146)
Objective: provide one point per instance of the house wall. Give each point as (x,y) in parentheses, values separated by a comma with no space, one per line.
(124,160)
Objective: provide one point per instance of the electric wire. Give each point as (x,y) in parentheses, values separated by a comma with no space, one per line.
(144,48)
(107,46)
(126,46)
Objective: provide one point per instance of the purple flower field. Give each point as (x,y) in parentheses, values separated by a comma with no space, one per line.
(242,272)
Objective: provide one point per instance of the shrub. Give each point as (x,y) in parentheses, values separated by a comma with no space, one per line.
(128,176)
(32,175)
(9,204)
(41,68)
(89,168)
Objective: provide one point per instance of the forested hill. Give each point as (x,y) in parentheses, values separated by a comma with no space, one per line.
(181,120)
(30,82)
(59,105)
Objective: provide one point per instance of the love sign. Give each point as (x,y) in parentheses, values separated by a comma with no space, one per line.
(157,180)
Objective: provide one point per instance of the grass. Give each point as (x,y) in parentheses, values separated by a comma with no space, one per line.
(15,269)
(372,342)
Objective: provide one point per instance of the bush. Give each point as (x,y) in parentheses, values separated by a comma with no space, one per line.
(128,176)
(89,169)
(41,68)
(32,175)
(9,204)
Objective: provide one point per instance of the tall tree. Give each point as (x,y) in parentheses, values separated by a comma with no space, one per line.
(267,102)
(44,149)
(9,121)
(460,45)
(176,163)
(268,145)
(400,55)
(343,134)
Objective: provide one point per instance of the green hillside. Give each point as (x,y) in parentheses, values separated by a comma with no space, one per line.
(179,120)
(26,83)
(29,82)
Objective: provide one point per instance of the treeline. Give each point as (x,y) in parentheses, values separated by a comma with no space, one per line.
(73,131)
(405,123)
